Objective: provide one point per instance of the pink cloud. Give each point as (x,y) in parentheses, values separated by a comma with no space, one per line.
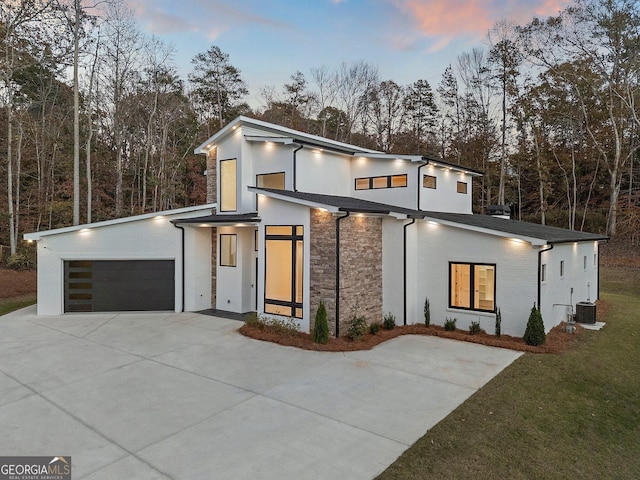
(473,18)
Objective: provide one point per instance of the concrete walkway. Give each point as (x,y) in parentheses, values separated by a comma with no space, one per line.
(184,396)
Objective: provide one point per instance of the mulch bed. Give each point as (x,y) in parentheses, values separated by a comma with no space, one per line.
(17,283)
(558,340)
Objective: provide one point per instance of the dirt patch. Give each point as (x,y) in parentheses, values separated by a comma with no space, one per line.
(558,340)
(620,253)
(15,284)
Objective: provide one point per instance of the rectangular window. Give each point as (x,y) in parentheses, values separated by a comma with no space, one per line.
(363,183)
(228,250)
(228,185)
(385,181)
(255,240)
(429,181)
(270,180)
(398,181)
(462,187)
(562,268)
(584,262)
(380,182)
(595,260)
(284,263)
(472,286)
(543,272)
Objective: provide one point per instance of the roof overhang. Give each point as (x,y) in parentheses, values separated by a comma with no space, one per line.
(241,220)
(179,212)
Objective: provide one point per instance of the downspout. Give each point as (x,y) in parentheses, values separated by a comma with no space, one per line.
(404,269)
(181,228)
(540,271)
(338,272)
(420,183)
(295,165)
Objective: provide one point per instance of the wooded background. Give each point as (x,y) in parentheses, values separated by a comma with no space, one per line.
(96,123)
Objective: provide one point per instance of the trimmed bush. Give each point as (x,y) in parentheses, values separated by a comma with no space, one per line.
(321,326)
(498,323)
(450,324)
(374,328)
(534,333)
(427,313)
(389,321)
(357,327)
(474,328)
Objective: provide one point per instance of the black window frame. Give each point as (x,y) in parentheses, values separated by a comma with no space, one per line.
(472,266)
(235,264)
(435,181)
(294,237)
(388,180)
(235,160)
(466,187)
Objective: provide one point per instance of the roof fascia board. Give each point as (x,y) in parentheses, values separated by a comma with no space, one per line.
(496,233)
(392,156)
(259,138)
(118,221)
(457,168)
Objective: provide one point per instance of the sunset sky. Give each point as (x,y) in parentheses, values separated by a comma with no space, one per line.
(268,40)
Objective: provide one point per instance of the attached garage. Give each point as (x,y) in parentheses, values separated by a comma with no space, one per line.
(118,285)
(139,263)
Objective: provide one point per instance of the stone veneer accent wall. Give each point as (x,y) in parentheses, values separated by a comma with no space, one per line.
(212,177)
(360,267)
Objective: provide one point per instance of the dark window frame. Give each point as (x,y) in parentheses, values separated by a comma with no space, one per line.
(222,183)
(293,237)
(435,181)
(388,180)
(472,266)
(235,258)
(460,184)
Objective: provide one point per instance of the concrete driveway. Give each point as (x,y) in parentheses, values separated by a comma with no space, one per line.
(184,396)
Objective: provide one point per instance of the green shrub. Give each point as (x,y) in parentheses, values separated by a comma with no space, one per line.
(357,327)
(285,326)
(534,333)
(498,323)
(474,328)
(252,320)
(389,321)
(19,261)
(427,313)
(321,326)
(374,328)
(450,324)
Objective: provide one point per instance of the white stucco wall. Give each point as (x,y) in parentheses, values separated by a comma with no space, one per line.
(392,268)
(406,197)
(234,285)
(323,172)
(516,276)
(277,212)
(445,197)
(197,260)
(578,284)
(145,238)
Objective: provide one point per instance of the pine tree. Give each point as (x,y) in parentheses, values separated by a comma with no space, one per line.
(534,333)
(321,327)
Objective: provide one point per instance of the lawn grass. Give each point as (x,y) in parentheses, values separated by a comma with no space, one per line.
(568,416)
(8,305)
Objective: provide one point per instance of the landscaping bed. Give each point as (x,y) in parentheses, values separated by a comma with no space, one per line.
(17,283)
(557,340)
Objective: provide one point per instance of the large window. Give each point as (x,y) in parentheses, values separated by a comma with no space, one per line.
(228,250)
(270,180)
(472,286)
(283,285)
(228,185)
(385,181)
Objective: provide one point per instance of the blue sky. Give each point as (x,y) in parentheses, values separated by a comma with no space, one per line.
(268,40)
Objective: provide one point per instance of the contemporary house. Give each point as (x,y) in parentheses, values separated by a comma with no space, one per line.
(294,219)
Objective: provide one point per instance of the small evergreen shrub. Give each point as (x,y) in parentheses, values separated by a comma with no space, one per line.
(474,328)
(19,261)
(357,327)
(450,324)
(427,313)
(389,321)
(498,323)
(321,326)
(374,328)
(534,333)
(252,320)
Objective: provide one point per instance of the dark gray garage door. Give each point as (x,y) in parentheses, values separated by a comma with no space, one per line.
(118,285)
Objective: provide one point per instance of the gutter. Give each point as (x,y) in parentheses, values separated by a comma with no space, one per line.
(540,270)
(404,269)
(183,296)
(295,165)
(338,272)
